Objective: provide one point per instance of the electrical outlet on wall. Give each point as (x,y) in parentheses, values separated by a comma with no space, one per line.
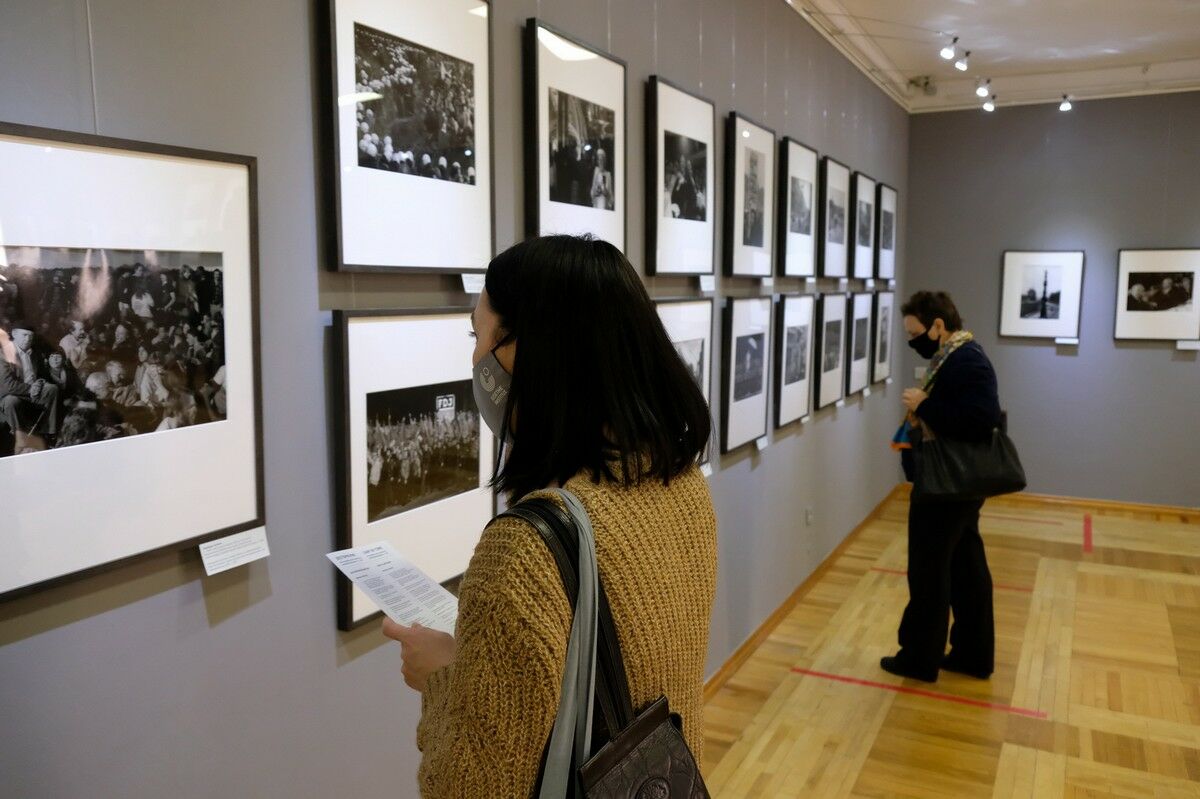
(808,517)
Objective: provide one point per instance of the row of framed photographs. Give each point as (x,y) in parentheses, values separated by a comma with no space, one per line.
(1042,294)
(824,347)
(411,166)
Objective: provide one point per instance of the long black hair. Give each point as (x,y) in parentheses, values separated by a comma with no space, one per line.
(596,383)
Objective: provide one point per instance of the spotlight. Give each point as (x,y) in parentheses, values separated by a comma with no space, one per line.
(981,88)
(989,104)
(948,51)
(961,63)
(1065,105)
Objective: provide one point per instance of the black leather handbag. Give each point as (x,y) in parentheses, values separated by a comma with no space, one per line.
(950,470)
(643,755)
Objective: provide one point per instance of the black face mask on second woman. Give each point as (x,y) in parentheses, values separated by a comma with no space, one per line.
(923,345)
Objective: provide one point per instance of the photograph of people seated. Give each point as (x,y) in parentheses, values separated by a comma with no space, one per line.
(105,344)
(1160,291)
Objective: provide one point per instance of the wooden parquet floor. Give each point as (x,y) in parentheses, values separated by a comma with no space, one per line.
(1097,684)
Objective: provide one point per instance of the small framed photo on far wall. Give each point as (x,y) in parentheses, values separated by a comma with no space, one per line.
(1156,295)
(1041,294)
(680,178)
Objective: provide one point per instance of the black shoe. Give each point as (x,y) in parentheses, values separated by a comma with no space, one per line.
(950,663)
(892,665)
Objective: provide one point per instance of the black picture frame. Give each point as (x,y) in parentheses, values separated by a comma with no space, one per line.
(780,324)
(1117,306)
(880,187)
(783,204)
(706,458)
(1082,282)
(852,338)
(344,529)
(250,163)
(876,303)
(731,210)
(532,132)
(651,176)
(852,264)
(328,135)
(819,348)
(727,339)
(823,222)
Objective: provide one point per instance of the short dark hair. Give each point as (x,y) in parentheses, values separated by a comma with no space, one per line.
(596,384)
(927,306)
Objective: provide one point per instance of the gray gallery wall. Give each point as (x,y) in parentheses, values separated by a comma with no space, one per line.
(153,681)
(1106,419)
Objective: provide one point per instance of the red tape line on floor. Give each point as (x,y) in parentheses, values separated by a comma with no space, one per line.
(1087,532)
(904,689)
(1001,586)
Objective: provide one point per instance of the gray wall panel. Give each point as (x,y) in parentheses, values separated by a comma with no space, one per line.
(1112,420)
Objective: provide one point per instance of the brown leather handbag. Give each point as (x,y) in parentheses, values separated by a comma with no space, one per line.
(641,755)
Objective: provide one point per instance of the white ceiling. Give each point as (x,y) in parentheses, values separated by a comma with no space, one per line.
(1033,51)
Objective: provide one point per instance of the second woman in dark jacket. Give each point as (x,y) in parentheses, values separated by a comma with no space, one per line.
(947,566)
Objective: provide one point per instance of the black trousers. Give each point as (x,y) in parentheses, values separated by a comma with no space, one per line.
(947,569)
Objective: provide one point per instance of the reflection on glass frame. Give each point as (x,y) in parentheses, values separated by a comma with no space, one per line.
(689,324)
(797,225)
(749,197)
(410,153)
(575,137)
(680,179)
(414,457)
(1157,294)
(794,333)
(832,219)
(858,343)
(137,369)
(882,323)
(830,352)
(886,232)
(1041,293)
(746,342)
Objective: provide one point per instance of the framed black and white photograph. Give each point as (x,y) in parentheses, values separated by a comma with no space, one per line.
(858,345)
(128,352)
(747,343)
(574,137)
(832,219)
(680,178)
(798,213)
(1156,294)
(414,457)
(749,197)
(884,318)
(1041,294)
(410,109)
(862,226)
(885,232)
(689,325)
(829,376)
(793,357)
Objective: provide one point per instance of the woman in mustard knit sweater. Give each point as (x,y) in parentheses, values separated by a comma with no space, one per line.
(575,373)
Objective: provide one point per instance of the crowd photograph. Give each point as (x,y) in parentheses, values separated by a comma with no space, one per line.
(582,158)
(422,446)
(421,120)
(105,344)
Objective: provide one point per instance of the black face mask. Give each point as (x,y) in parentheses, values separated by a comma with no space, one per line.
(923,345)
